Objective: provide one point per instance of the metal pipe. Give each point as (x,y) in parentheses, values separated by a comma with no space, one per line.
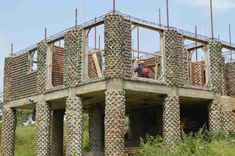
(12,49)
(160,17)
(76,17)
(230,39)
(138,40)
(99,41)
(95,34)
(196,42)
(167,13)
(114,6)
(45,34)
(212,22)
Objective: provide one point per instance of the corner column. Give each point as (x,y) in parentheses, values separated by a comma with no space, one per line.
(176,76)
(73,57)
(171,121)
(8,132)
(74,126)
(43,120)
(57,130)
(117,59)
(228,90)
(43,111)
(216,77)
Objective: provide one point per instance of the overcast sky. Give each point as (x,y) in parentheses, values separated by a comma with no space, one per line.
(23,21)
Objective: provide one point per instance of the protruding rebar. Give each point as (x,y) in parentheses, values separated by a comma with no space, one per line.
(45,34)
(167,14)
(160,17)
(12,46)
(99,42)
(196,42)
(76,17)
(95,35)
(212,21)
(114,6)
(230,39)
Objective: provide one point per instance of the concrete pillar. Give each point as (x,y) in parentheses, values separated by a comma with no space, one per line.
(114,122)
(229,122)
(43,120)
(175,67)
(116,68)
(74,126)
(216,81)
(41,74)
(228,90)
(57,131)
(73,57)
(7,79)
(8,132)
(96,130)
(171,121)
(215,116)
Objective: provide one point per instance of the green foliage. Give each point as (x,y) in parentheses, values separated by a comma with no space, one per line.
(23,116)
(199,144)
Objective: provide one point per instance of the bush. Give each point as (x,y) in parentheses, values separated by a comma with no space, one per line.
(198,144)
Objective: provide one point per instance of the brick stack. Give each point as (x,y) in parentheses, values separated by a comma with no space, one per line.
(58,66)
(73,57)
(22,79)
(92,71)
(74,125)
(8,132)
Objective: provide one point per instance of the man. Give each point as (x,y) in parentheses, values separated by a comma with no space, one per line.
(141,70)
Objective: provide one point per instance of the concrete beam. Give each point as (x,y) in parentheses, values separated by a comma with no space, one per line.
(162,89)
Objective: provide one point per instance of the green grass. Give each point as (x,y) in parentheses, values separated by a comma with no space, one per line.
(199,144)
(25,142)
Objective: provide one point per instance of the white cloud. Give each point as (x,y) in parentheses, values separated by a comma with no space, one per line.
(217,4)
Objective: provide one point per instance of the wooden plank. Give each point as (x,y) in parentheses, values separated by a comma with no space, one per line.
(97,66)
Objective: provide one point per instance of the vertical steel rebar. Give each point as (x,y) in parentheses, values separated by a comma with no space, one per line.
(196,42)
(138,41)
(12,46)
(230,40)
(45,34)
(114,6)
(167,14)
(76,18)
(95,34)
(212,21)
(160,17)
(99,42)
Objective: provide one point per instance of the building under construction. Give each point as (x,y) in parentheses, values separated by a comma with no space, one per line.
(78,72)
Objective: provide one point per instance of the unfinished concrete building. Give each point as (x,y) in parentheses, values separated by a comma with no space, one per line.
(63,75)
